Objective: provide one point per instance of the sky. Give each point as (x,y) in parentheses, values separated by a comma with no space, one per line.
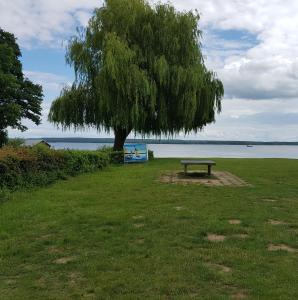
(251,45)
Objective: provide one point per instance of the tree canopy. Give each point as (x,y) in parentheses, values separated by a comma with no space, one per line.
(138,68)
(19,97)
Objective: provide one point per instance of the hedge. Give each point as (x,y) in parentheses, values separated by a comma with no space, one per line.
(24,167)
(150,154)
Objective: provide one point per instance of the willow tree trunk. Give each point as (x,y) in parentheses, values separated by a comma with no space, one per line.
(120,136)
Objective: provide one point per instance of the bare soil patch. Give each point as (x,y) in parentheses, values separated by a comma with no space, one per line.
(137,217)
(269,200)
(239,295)
(74,278)
(63,260)
(41,282)
(272,247)
(275,222)
(90,295)
(45,237)
(242,236)
(10,281)
(193,295)
(139,225)
(234,222)
(219,267)
(215,237)
(218,178)
(179,208)
(55,250)
(139,241)
(278,208)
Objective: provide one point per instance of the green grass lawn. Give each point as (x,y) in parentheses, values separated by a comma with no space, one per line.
(121,234)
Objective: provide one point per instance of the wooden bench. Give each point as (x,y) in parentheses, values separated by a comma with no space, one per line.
(208,163)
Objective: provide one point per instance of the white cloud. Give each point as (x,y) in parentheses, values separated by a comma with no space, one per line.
(51,83)
(260,75)
(266,70)
(261,120)
(259,78)
(44,21)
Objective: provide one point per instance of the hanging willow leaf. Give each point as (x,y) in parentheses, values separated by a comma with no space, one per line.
(138,68)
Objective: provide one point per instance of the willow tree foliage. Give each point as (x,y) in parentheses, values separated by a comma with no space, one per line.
(19,97)
(138,68)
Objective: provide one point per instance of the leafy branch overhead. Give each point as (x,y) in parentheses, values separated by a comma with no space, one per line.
(138,68)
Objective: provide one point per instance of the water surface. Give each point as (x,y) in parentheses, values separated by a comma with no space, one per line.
(200,151)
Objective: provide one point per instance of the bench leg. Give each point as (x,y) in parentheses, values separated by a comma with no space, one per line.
(185,169)
(209,170)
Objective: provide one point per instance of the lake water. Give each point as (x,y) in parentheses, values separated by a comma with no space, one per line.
(179,150)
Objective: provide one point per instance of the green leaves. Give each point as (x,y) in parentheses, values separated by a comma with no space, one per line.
(19,97)
(143,69)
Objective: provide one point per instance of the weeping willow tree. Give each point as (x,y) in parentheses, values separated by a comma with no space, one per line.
(138,68)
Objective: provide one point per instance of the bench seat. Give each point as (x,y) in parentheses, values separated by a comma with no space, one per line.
(208,163)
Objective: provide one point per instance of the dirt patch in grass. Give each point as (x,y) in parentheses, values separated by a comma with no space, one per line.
(74,278)
(234,222)
(10,281)
(45,237)
(242,236)
(139,241)
(41,282)
(239,295)
(215,237)
(218,178)
(193,295)
(63,260)
(272,247)
(55,250)
(269,200)
(179,208)
(278,208)
(139,225)
(219,267)
(275,222)
(90,295)
(138,217)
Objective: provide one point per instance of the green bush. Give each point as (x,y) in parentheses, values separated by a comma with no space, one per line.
(39,165)
(4,195)
(16,142)
(150,154)
(117,157)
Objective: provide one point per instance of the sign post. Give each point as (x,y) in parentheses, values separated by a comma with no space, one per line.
(135,153)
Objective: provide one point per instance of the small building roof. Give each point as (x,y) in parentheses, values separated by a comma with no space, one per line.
(31,143)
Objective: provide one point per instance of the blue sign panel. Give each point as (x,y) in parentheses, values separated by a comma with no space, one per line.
(135,153)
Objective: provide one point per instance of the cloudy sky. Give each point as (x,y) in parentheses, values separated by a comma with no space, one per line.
(252,45)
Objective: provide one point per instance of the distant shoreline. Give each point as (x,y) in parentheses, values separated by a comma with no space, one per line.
(164,141)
